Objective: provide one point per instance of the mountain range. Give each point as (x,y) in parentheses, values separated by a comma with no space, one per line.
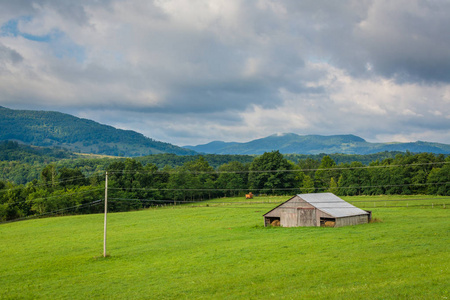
(47,128)
(291,143)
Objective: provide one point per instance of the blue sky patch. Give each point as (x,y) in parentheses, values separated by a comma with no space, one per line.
(62,46)
(10,28)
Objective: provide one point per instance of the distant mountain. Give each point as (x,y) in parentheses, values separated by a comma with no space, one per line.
(45,128)
(212,147)
(291,143)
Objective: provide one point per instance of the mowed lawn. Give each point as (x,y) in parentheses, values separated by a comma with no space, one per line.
(222,251)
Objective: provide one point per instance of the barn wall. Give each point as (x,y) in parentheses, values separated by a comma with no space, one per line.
(353,220)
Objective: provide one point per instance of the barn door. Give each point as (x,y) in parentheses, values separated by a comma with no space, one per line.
(307,217)
(288,218)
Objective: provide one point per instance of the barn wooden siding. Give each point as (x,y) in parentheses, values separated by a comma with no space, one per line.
(353,220)
(293,217)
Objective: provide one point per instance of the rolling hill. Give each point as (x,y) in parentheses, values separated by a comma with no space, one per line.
(291,143)
(45,128)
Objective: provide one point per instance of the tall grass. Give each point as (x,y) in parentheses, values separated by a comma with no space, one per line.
(222,251)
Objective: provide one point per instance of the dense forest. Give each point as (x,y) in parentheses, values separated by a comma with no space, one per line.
(139,183)
(21,164)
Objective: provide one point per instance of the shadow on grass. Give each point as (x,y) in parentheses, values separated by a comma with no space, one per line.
(101,257)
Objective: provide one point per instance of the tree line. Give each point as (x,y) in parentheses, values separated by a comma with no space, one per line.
(134,185)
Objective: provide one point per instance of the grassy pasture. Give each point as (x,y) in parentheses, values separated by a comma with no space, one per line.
(222,251)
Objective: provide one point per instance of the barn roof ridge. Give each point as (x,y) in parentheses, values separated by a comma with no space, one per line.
(280,205)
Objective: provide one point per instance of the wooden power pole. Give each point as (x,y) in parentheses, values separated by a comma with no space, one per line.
(106,212)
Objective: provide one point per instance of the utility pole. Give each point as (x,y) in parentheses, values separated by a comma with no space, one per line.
(106,211)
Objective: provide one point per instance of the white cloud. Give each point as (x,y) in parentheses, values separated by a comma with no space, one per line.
(190,72)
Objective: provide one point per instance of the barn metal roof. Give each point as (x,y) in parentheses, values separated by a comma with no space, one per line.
(332,204)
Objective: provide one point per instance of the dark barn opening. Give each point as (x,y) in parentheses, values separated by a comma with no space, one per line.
(272,221)
(327,222)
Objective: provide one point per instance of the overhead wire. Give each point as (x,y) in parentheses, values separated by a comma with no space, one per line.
(233,205)
(273,189)
(111,172)
(56,196)
(49,184)
(143,171)
(271,202)
(93,203)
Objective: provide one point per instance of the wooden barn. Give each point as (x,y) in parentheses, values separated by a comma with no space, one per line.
(323,209)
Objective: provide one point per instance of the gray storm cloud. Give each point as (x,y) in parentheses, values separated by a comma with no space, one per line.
(193,71)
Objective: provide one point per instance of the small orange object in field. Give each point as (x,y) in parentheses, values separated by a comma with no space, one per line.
(249,196)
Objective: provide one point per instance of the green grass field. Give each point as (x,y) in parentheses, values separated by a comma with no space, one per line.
(222,251)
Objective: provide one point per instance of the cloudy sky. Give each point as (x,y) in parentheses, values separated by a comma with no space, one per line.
(194,71)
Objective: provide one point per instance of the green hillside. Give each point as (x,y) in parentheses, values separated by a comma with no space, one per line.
(45,128)
(222,251)
(290,143)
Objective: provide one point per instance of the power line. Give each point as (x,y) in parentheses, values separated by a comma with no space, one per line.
(270,171)
(144,172)
(55,196)
(231,204)
(126,189)
(224,190)
(93,203)
(271,202)
(48,184)
(217,190)
(218,205)
(275,202)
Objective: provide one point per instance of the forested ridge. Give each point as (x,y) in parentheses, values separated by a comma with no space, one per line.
(13,151)
(291,143)
(46,128)
(78,186)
